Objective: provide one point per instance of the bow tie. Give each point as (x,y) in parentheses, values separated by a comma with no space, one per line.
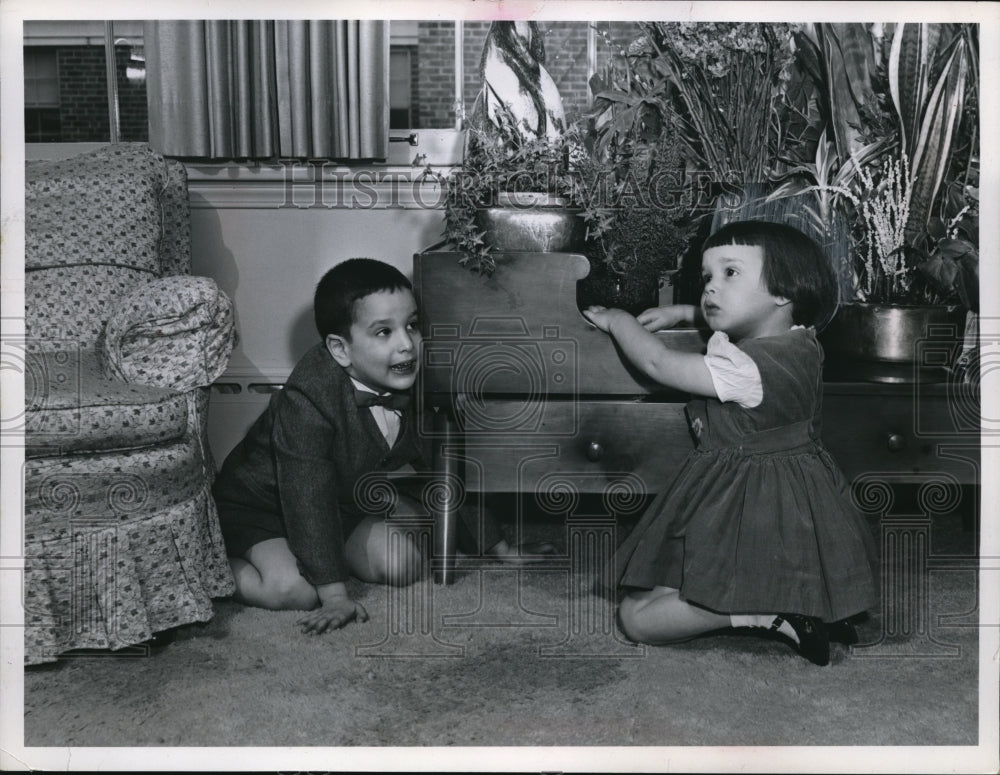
(397,401)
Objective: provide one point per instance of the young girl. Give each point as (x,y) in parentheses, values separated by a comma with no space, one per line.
(758,528)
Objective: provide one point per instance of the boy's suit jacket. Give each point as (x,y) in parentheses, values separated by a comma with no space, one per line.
(302,458)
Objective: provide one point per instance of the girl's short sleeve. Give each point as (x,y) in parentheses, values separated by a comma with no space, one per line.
(734,373)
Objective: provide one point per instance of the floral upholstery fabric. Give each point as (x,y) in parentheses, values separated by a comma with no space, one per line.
(70,304)
(97,225)
(121,533)
(175,242)
(116,485)
(72,406)
(105,584)
(176,332)
(67,225)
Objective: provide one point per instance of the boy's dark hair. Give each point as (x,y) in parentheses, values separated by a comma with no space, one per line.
(346,283)
(795,267)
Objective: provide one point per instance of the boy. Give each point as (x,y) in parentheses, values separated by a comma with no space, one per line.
(284,493)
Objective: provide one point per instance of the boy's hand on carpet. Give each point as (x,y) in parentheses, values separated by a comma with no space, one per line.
(331,615)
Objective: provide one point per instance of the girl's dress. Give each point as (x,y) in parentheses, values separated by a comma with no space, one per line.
(759,518)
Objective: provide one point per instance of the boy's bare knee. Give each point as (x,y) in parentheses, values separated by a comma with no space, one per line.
(380,555)
(407,571)
(294,594)
(401,566)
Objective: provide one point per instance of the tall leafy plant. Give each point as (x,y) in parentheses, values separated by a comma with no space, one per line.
(729,79)
(932,74)
(843,59)
(719,84)
(893,127)
(636,209)
(928,71)
(838,61)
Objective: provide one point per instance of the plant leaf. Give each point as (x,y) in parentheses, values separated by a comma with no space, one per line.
(932,148)
(909,68)
(849,59)
(954,249)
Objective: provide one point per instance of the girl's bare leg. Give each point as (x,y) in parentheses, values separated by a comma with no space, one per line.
(658,616)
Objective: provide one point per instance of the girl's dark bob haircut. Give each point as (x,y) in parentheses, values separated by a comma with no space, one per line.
(795,267)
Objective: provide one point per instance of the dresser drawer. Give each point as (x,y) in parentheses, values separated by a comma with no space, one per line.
(899,435)
(583,445)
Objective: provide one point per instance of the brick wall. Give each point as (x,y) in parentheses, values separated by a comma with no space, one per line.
(83,102)
(475,37)
(435,64)
(566,61)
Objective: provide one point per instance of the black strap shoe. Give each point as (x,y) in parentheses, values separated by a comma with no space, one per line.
(842,631)
(814,638)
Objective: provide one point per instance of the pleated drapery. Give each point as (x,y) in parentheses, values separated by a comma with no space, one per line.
(268,89)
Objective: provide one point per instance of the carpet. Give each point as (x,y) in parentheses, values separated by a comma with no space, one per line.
(530,657)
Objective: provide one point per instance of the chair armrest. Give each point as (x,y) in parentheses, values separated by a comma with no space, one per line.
(175,332)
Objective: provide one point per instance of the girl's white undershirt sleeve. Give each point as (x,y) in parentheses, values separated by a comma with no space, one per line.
(734,373)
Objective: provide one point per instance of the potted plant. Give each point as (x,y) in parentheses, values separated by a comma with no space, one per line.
(645,171)
(898,182)
(513,191)
(639,221)
(725,83)
(715,95)
(557,185)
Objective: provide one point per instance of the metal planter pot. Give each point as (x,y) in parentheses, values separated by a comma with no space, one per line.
(529,227)
(540,223)
(889,343)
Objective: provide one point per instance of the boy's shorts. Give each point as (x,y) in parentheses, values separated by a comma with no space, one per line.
(244,526)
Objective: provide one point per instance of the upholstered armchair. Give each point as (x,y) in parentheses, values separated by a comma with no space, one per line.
(121,534)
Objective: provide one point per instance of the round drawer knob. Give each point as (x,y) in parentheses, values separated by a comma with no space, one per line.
(595,451)
(895,441)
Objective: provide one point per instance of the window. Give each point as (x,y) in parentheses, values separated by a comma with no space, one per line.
(400,88)
(434,80)
(41,95)
(68,94)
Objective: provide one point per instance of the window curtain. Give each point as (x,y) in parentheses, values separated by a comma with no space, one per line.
(268,89)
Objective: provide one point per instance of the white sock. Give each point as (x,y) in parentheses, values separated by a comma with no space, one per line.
(762,620)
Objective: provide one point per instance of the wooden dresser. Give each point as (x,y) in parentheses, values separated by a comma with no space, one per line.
(532,398)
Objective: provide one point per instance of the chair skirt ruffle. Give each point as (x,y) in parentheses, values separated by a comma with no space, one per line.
(114,554)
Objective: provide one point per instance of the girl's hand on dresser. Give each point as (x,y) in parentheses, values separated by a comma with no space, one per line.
(603,317)
(658,318)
